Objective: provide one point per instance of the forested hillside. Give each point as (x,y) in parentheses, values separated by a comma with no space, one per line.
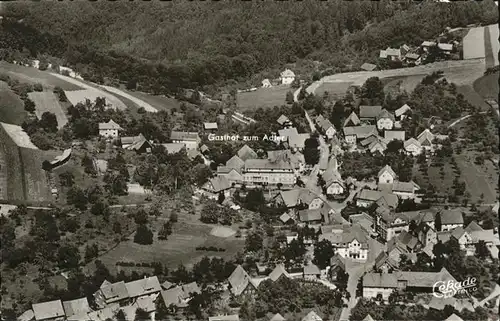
(168,45)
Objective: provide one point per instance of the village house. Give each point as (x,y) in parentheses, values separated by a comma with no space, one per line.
(138,143)
(173,148)
(385,120)
(426,45)
(367,197)
(298,142)
(240,283)
(278,273)
(352,120)
(337,266)
(179,296)
(375,284)
(369,113)
(386,175)
(405,190)
(210,126)
(216,186)
(451,219)
(390,135)
(311,217)
(425,139)
(109,129)
(445,48)
(264,172)
(378,145)
(190,139)
(296,159)
(266,83)
(355,133)
(77,309)
(284,121)
(51,310)
(325,126)
(287,77)
(402,112)
(412,146)
(233,175)
(368,67)
(311,272)
(312,316)
(334,184)
(351,242)
(109,293)
(277,317)
(413,58)
(246,152)
(365,221)
(384,263)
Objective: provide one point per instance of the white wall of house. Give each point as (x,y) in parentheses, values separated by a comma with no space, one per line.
(335,189)
(260,177)
(373,292)
(404,195)
(287,80)
(449,227)
(111,133)
(316,203)
(330,132)
(350,139)
(353,251)
(385,123)
(190,144)
(364,203)
(386,178)
(413,150)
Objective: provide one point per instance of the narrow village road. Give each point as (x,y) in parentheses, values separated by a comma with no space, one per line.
(463,118)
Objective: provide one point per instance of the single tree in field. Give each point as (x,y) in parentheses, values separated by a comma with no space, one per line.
(143,235)
(29,105)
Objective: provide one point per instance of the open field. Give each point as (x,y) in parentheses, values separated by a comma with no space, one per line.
(137,101)
(473,97)
(334,88)
(11,106)
(79,96)
(460,72)
(473,43)
(478,179)
(18,136)
(262,97)
(158,102)
(487,86)
(494,43)
(22,171)
(179,248)
(398,84)
(47,102)
(33,76)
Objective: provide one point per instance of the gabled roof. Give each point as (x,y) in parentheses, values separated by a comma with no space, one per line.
(285,217)
(310,215)
(402,110)
(369,140)
(115,292)
(287,73)
(452,216)
(383,54)
(283,119)
(403,187)
(384,113)
(353,119)
(388,169)
(287,132)
(167,285)
(184,136)
(48,310)
(264,164)
(454,317)
(306,196)
(369,111)
(146,303)
(239,280)
(312,316)
(235,162)
(380,280)
(298,141)
(332,176)
(412,56)
(104,284)
(360,131)
(204,148)
(393,52)
(412,141)
(143,286)
(246,152)
(458,232)
(383,258)
(173,296)
(424,279)
(323,123)
(445,46)
(290,197)
(190,288)
(425,135)
(278,271)
(218,184)
(390,135)
(277,317)
(104,314)
(233,317)
(473,227)
(311,269)
(76,309)
(337,261)
(368,318)
(109,125)
(377,145)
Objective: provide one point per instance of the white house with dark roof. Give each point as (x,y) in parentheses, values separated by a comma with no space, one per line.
(287,77)
(333,182)
(355,133)
(190,139)
(325,126)
(110,129)
(386,175)
(110,293)
(451,219)
(385,120)
(311,272)
(51,310)
(412,146)
(350,242)
(375,284)
(367,197)
(425,139)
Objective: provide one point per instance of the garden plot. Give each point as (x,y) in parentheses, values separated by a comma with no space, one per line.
(474,44)
(47,102)
(137,101)
(80,96)
(494,44)
(18,136)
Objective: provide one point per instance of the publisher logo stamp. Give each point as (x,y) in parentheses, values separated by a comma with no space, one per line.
(450,288)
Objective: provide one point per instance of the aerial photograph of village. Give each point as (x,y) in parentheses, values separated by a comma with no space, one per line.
(249,160)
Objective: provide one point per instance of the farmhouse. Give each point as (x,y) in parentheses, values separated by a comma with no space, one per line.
(109,129)
(382,284)
(405,190)
(265,172)
(385,120)
(142,287)
(287,77)
(190,139)
(425,139)
(51,310)
(216,186)
(390,135)
(295,159)
(210,126)
(297,142)
(284,121)
(386,175)
(352,134)
(451,219)
(110,293)
(240,282)
(138,143)
(279,272)
(325,126)
(367,197)
(412,146)
(76,309)
(333,182)
(368,67)
(311,272)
